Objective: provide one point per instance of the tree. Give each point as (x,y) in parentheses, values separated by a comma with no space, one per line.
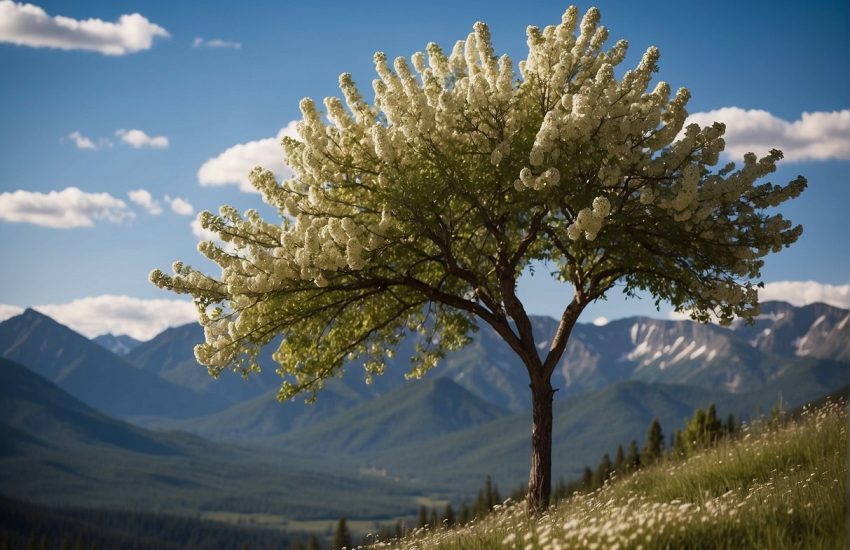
(633,458)
(422,520)
(313,543)
(417,214)
(342,537)
(434,521)
(587,479)
(449,516)
(654,447)
(603,471)
(620,460)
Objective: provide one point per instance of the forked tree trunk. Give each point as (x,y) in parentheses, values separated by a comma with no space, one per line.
(540,477)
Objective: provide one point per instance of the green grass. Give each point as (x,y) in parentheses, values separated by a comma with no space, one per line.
(780,485)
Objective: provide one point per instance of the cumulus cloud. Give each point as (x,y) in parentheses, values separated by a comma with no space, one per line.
(143,198)
(232,166)
(138,139)
(96,315)
(30,25)
(200,42)
(600,321)
(800,293)
(180,206)
(814,136)
(201,233)
(62,209)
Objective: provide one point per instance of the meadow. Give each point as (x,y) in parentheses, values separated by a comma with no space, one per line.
(782,483)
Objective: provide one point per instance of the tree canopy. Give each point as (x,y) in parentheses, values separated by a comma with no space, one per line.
(417,213)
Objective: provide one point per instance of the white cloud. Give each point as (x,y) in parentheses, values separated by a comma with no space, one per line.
(796,293)
(800,293)
(180,206)
(62,209)
(815,136)
(199,42)
(232,166)
(7,311)
(600,321)
(138,139)
(30,25)
(143,198)
(96,315)
(81,141)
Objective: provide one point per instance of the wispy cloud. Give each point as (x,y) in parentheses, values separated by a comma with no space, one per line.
(64,209)
(200,42)
(180,206)
(232,166)
(143,198)
(30,25)
(814,136)
(81,141)
(138,139)
(118,314)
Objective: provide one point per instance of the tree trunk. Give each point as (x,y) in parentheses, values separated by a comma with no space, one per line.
(540,477)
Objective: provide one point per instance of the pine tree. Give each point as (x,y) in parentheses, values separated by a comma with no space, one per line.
(313,543)
(465,513)
(654,447)
(434,521)
(342,537)
(633,458)
(713,425)
(620,461)
(488,493)
(449,516)
(603,471)
(587,479)
(731,425)
(422,521)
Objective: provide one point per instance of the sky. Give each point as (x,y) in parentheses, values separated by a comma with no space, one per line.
(121,120)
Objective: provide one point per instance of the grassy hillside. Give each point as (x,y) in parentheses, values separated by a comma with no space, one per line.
(780,485)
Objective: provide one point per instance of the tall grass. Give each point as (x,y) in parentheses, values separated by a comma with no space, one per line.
(779,485)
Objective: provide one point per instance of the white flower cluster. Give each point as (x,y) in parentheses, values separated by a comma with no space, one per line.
(589,220)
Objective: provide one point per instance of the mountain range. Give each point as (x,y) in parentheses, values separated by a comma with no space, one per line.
(438,436)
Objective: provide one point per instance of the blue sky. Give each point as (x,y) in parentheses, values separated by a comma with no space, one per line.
(191,100)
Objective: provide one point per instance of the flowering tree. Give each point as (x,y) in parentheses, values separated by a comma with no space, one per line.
(417,214)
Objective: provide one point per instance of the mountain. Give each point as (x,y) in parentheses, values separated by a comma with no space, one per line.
(670,352)
(584,427)
(264,416)
(171,356)
(119,345)
(656,350)
(415,413)
(56,450)
(816,330)
(93,374)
